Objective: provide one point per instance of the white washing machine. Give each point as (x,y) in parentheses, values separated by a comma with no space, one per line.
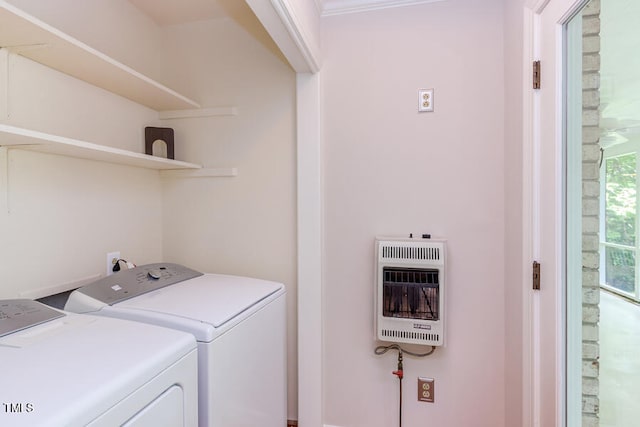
(63,369)
(238,322)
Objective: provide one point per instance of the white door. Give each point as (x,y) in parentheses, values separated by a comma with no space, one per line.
(545,373)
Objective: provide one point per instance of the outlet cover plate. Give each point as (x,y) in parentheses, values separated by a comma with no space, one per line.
(426,389)
(110,257)
(425,100)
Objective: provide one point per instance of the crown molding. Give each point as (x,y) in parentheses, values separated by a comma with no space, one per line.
(340,7)
(279,18)
(536,5)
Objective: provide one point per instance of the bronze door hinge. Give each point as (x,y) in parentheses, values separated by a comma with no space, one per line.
(536,74)
(536,276)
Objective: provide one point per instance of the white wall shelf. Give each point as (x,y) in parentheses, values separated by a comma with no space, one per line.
(200,173)
(26,139)
(28,36)
(198,113)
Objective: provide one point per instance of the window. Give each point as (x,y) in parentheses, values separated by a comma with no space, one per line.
(619,220)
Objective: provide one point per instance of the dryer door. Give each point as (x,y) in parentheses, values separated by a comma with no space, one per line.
(169,399)
(166,410)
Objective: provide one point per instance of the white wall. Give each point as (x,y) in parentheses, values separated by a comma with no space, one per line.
(390,170)
(65,214)
(513,23)
(243,225)
(114,27)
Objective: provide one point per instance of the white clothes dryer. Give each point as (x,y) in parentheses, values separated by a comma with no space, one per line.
(62,370)
(238,322)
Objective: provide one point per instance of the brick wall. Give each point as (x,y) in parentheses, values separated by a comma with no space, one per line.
(590,210)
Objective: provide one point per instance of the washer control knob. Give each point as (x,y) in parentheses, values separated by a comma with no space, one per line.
(154,274)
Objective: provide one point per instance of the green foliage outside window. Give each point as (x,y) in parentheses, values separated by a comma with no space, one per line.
(621,200)
(620,221)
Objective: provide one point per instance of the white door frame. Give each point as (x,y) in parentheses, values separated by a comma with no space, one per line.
(310,252)
(294,27)
(543,388)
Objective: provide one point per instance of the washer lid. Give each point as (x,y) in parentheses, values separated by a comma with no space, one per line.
(17,314)
(211,298)
(66,371)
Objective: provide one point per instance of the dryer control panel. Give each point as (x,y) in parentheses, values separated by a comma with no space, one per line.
(17,314)
(136,281)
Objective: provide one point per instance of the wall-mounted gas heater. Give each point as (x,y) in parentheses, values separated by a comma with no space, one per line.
(409,303)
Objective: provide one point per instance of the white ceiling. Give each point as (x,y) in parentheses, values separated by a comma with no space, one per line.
(170,12)
(338,7)
(619,70)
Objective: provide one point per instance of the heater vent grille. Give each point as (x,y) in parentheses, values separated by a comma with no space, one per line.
(411,293)
(411,252)
(419,337)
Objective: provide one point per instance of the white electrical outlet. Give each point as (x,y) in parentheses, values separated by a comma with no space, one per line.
(112,258)
(425,100)
(426,389)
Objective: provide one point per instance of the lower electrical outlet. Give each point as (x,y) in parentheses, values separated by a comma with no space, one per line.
(112,258)
(426,389)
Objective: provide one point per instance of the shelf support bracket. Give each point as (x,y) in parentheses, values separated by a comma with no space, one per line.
(200,173)
(4,180)
(4,83)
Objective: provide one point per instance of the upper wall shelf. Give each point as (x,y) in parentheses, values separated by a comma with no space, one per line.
(36,40)
(27,139)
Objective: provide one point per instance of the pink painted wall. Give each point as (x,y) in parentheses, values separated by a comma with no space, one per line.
(390,170)
(513,264)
